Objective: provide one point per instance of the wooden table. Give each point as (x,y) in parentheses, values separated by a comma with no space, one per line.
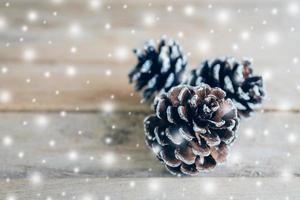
(71,125)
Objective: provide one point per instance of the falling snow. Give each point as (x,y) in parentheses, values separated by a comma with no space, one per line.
(63,68)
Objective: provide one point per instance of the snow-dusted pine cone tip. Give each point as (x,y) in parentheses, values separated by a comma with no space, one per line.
(159,67)
(235,78)
(192,128)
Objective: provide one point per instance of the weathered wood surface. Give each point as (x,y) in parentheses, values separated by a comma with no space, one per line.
(264,148)
(71,153)
(158,188)
(96,43)
(266,152)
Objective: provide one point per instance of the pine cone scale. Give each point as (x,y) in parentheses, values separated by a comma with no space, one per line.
(185,154)
(169,157)
(186,133)
(199,150)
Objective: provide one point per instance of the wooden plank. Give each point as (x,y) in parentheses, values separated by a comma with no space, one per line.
(123,21)
(95,43)
(267,146)
(91,87)
(154,188)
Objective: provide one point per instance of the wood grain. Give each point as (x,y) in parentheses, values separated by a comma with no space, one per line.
(157,188)
(261,150)
(264,158)
(108,150)
(96,43)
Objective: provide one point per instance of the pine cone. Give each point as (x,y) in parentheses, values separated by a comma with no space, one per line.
(235,78)
(158,69)
(192,128)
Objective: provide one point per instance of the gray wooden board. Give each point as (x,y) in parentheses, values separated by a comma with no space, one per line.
(155,188)
(267,146)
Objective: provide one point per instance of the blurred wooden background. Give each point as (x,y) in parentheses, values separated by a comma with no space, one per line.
(103,57)
(71,125)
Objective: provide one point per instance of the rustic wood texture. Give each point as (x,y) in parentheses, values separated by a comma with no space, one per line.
(263,154)
(181,188)
(261,149)
(91,154)
(96,43)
